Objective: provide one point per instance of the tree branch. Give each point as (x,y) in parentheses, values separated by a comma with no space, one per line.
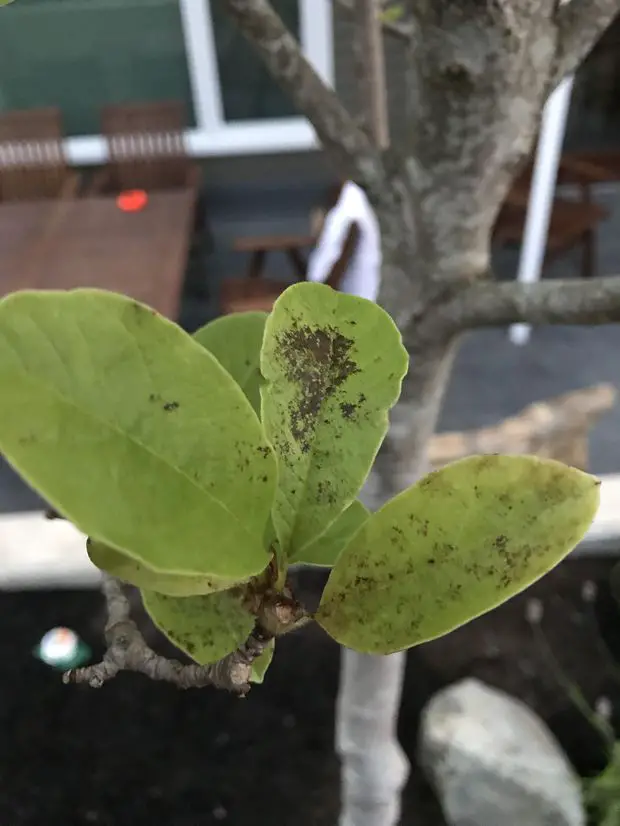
(579,23)
(495,304)
(341,136)
(128,651)
(401,30)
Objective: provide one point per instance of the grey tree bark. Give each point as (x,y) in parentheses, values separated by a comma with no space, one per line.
(479,73)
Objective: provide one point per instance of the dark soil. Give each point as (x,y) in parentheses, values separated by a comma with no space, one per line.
(141,753)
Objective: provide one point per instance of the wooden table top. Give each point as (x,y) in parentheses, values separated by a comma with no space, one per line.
(90,242)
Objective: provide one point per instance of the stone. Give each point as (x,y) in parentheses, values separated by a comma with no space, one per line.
(556,428)
(493,762)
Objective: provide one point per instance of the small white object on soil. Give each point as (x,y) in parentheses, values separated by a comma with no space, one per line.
(62,648)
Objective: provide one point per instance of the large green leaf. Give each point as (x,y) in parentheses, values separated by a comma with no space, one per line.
(333,366)
(459,542)
(325,549)
(136,573)
(235,341)
(134,432)
(206,628)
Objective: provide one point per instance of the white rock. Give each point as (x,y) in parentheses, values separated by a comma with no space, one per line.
(493,762)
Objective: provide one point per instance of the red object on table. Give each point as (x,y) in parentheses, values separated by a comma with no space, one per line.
(133,200)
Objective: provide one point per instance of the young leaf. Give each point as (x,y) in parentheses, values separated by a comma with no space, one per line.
(261,665)
(206,628)
(134,432)
(333,366)
(460,542)
(129,570)
(326,548)
(235,341)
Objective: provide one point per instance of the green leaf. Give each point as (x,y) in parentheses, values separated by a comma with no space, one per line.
(206,628)
(134,432)
(235,341)
(392,14)
(460,542)
(333,366)
(326,548)
(260,665)
(129,570)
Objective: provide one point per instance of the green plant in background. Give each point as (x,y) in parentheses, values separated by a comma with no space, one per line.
(201,466)
(602,793)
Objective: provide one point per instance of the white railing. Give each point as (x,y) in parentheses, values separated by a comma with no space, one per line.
(40,553)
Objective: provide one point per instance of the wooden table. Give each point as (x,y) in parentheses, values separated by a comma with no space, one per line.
(21,223)
(259,246)
(90,242)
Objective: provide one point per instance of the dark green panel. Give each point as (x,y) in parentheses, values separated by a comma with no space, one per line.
(82,54)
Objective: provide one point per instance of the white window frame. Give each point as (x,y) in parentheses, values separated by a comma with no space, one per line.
(213,136)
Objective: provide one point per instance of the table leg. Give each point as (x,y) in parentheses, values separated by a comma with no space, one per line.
(257,262)
(588,254)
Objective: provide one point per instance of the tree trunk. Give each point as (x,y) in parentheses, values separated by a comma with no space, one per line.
(478,76)
(374,766)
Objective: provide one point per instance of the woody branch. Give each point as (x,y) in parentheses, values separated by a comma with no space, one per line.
(494,304)
(127,650)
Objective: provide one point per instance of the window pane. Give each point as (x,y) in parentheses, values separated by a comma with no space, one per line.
(248,91)
(82,54)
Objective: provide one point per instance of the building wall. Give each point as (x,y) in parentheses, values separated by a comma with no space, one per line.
(81,53)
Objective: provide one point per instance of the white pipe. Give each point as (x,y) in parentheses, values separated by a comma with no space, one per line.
(542,193)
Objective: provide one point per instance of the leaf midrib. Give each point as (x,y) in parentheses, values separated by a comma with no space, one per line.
(88,414)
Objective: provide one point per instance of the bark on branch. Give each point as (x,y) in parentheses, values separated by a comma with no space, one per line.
(341,136)
(128,651)
(579,23)
(495,304)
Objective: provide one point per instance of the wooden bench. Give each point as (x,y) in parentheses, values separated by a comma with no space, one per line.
(239,295)
(260,246)
(572,222)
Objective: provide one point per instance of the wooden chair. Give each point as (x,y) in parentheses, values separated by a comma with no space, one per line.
(572,222)
(32,162)
(146,148)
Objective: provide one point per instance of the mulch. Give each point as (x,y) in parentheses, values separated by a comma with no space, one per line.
(139,753)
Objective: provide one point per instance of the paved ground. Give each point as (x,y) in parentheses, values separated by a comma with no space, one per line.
(492,378)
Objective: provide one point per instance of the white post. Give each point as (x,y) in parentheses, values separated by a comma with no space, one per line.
(374,766)
(541,194)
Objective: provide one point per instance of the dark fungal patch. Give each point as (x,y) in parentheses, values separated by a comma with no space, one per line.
(170,406)
(318,361)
